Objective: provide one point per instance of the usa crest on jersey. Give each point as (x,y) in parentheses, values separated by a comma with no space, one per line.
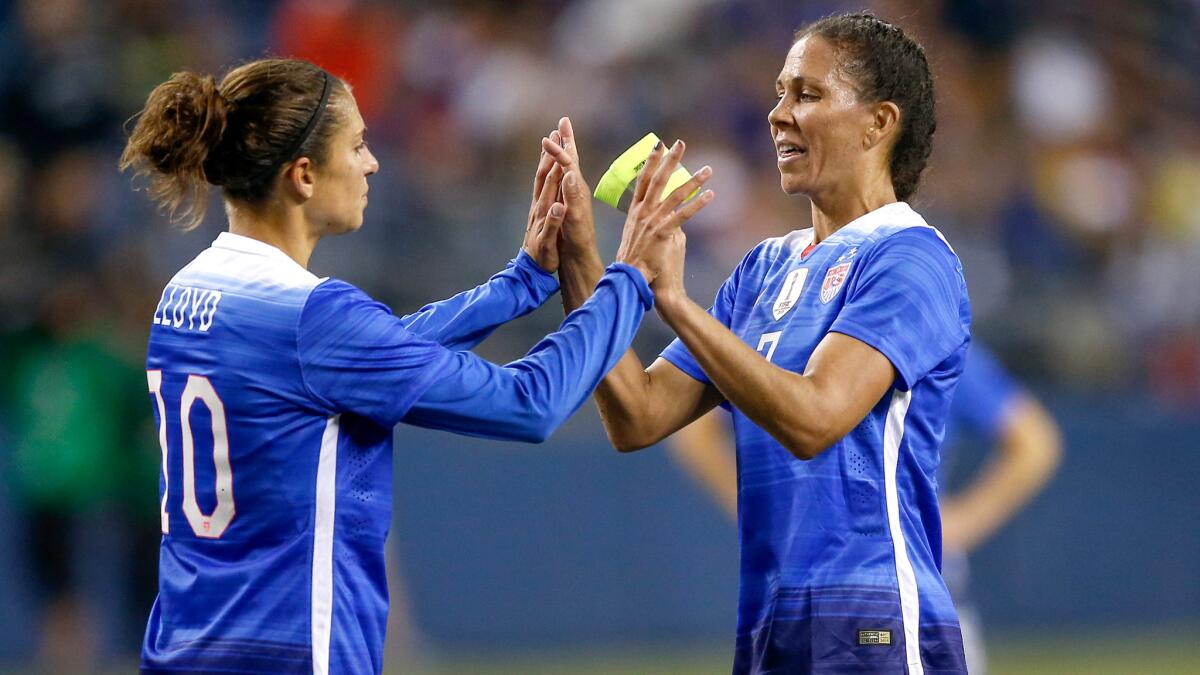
(834,278)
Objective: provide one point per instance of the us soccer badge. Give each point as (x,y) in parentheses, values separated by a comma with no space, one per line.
(834,278)
(793,284)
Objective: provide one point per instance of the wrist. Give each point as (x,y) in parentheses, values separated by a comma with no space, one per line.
(578,246)
(670,301)
(642,269)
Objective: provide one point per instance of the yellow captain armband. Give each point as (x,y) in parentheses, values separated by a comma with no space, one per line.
(615,187)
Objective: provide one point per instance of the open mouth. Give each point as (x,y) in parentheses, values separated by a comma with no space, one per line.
(787,151)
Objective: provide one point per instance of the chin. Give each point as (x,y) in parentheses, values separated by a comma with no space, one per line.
(344,227)
(792,186)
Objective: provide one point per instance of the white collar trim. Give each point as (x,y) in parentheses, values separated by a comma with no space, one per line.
(896,213)
(244,244)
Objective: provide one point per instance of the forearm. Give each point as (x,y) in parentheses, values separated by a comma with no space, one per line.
(578,272)
(621,397)
(528,398)
(782,403)
(465,320)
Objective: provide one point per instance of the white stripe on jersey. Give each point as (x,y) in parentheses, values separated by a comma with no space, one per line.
(322,570)
(910,611)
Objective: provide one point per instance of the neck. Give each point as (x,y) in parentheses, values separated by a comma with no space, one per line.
(286,229)
(833,210)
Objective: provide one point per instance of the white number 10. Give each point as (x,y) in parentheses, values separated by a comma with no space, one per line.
(213,525)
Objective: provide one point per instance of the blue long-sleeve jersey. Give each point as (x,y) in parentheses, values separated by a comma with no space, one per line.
(275,394)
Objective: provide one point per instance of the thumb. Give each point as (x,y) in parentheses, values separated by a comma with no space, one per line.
(554,219)
(573,189)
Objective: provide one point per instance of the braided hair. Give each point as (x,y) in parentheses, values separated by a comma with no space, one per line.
(884,64)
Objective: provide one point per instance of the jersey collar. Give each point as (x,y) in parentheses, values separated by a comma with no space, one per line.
(896,213)
(244,244)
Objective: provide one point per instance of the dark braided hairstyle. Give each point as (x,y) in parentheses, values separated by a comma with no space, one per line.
(884,64)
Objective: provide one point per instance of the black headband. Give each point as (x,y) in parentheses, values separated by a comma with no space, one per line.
(294,148)
(312,121)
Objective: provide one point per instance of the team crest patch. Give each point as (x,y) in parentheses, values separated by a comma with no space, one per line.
(793,284)
(834,278)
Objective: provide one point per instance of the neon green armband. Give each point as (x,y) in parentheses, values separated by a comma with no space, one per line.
(615,187)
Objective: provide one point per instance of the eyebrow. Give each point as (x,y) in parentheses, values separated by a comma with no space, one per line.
(798,80)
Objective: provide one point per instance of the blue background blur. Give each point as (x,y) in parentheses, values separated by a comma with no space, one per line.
(1066,173)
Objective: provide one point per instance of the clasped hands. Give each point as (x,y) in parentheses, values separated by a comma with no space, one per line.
(561,224)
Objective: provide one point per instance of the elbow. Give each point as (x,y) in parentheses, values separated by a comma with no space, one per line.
(626,440)
(536,424)
(625,446)
(1051,455)
(541,428)
(1038,440)
(806,450)
(806,445)
(535,432)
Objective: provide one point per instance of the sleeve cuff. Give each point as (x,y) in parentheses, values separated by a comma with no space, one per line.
(543,282)
(639,282)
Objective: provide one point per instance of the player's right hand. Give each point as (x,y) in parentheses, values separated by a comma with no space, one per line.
(652,240)
(546,213)
(579,226)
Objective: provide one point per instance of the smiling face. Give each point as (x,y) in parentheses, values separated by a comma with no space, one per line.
(340,190)
(818,124)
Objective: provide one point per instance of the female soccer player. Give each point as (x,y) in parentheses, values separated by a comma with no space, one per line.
(837,348)
(276,391)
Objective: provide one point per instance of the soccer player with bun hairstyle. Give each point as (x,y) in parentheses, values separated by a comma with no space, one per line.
(276,391)
(837,348)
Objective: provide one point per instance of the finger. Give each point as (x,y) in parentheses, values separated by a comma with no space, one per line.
(553,223)
(639,189)
(558,153)
(690,209)
(575,191)
(662,172)
(681,193)
(567,132)
(545,161)
(549,190)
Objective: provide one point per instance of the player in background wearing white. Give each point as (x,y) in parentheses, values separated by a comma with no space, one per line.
(276,391)
(1024,448)
(837,348)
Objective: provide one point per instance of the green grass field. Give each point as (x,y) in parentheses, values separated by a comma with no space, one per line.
(1089,654)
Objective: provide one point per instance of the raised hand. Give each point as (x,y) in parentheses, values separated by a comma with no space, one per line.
(652,240)
(579,226)
(546,214)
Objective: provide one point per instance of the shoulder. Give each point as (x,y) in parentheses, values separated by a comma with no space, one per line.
(337,300)
(896,227)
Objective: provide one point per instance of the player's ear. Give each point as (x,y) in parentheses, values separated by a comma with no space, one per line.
(885,122)
(299,179)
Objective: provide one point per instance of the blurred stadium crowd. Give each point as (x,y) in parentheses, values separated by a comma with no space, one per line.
(1066,171)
